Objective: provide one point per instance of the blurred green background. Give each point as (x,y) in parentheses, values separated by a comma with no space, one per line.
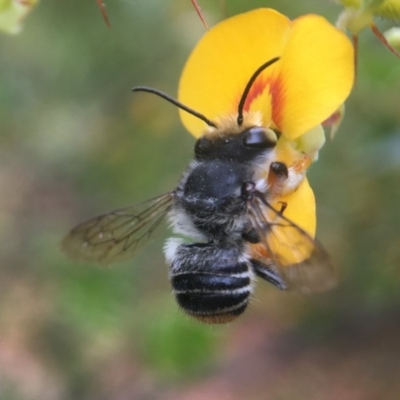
(75,142)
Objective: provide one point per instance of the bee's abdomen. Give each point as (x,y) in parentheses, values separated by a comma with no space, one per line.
(210,283)
(213,299)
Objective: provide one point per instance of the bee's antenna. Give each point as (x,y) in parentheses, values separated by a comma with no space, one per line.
(175,102)
(248,87)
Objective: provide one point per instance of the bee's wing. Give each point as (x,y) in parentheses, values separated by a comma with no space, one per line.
(301,262)
(115,236)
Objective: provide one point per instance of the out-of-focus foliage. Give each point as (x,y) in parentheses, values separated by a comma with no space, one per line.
(13,12)
(76,142)
(392,35)
(360,14)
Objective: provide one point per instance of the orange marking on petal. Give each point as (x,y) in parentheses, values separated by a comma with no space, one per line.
(277,93)
(224,60)
(332,120)
(256,90)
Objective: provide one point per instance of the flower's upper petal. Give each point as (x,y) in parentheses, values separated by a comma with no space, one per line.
(310,81)
(315,77)
(223,61)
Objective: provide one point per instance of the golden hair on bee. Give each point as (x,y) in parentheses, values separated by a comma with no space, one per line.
(227,124)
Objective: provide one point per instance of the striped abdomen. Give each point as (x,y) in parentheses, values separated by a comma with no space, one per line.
(211,283)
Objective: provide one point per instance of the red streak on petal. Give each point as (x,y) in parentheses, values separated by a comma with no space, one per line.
(332,120)
(256,90)
(277,94)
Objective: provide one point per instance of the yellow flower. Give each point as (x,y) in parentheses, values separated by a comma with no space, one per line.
(309,82)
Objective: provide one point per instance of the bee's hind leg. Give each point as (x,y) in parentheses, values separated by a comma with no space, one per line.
(268,273)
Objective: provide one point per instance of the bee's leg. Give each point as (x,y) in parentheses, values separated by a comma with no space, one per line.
(266,272)
(278,172)
(251,236)
(283,207)
(277,178)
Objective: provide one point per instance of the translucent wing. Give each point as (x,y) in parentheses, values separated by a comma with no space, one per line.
(301,262)
(115,236)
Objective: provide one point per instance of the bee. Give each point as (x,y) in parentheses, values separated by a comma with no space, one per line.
(222,203)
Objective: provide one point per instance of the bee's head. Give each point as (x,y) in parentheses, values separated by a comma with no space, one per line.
(245,146)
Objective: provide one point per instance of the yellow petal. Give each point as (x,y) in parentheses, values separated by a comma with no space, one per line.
(287,244)
(290,151)
(223,61)
(300,207)
(316,75)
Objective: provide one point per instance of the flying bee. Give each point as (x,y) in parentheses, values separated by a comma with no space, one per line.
(222,203)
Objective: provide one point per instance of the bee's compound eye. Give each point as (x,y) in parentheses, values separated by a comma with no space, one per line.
(203,146)
(259,138)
